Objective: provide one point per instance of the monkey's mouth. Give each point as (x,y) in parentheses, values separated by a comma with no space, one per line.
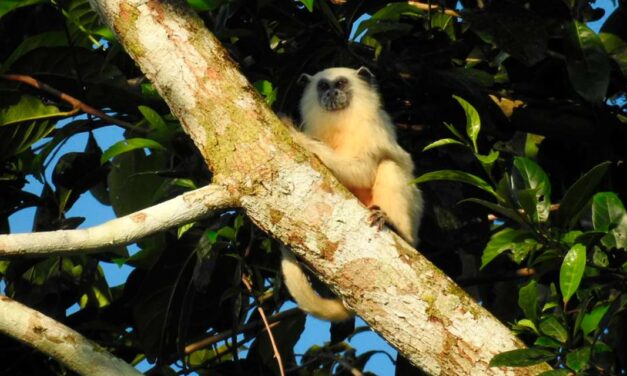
(334,102)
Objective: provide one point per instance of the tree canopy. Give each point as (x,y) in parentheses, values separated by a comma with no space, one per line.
(514,113)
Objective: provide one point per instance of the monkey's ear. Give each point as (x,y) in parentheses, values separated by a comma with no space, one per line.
(365,73)
(304,79)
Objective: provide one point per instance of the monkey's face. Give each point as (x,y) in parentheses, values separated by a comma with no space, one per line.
(335,94)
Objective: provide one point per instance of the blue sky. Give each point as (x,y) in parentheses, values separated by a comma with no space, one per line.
(316,331)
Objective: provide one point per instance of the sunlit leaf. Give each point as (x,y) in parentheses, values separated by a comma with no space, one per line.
(128,145)
(501,242)
(267,90)
(536,179)
(473,123)
(608,214)
(309,4)
(441,142)
(572,270)
(454,175)
(591,320)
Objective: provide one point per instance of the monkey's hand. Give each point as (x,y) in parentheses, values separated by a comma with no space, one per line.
(377,217)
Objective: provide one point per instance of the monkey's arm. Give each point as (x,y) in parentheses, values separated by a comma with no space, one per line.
(400,201)
(355,172)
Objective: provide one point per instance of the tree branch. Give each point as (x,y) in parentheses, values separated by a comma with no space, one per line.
(58,341)
(75,103)
(182,209)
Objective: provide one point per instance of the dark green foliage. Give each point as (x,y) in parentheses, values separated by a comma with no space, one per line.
(550,168)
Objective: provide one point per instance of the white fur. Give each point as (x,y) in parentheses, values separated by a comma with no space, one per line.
(358,144)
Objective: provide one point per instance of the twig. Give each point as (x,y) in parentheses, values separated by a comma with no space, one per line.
(552,208)
(505,276)
(75,103)
(277,354)
(205,342)
(423,6)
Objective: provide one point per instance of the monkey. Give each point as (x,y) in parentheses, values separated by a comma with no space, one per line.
(346,127)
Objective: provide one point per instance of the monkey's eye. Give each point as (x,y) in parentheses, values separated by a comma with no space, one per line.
(341,83)
(323,85)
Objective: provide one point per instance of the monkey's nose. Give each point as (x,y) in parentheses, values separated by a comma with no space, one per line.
(335,93)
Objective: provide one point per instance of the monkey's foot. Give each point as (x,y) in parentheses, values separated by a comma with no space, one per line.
(377,217)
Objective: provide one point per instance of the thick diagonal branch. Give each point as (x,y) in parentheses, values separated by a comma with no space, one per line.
(58,341)
(182,209)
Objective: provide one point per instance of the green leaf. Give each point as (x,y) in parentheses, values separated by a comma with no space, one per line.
(525,323)
(266,89)
(8,5)
(501,242)
(154,119)
(519,32)
(599,258)
(454,131)
(552,328)
(556,372)
(309,4)
(49,39)
(536,179)
(616,49)
(128,145)
(579,194)
(227,232)
(488,160)
(608,214)
(521,358)
(607,211)
(389,15)
(473,123)
(547,342)
(455,175)
(572,270)
(498,209)
(578,360)
(587,62)
(528,300)
(203,5)
(591,320)
(183,229)
(26,108)
(441,142)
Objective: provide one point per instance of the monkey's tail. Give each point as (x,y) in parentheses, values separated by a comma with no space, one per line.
(305,296)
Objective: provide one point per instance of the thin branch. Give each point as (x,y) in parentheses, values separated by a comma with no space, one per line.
(186,208)
(58,341)
(206,342)
(75,103)
(552,208)
(423,6)
(492,278)
(277,354)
